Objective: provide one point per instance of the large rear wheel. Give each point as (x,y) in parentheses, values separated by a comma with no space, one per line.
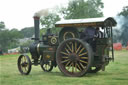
(74,57)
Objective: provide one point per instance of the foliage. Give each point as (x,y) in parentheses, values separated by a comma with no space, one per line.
(49,22)
(2,25)
(26,44)
(24,47)
(76,9)
(9,38)
(27,32)
(124,36)
(82,9)
(124,25)
(124,11)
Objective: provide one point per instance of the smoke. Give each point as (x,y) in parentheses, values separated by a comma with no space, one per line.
(120,32)
(43,12)
(121,22)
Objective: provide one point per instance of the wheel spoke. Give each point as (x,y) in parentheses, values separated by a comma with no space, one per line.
(24,59)
(78,49)
(21,61)
(82,66)
(67,50)
(64,53)
(21,67)
(65,57)
(83,54)
(72,48)
(68,47)
(72,67)
(84,57)
(69,66)
(81,50)
(45,66)
(83,61)
(77,65)
(75,46)
(25,69)
(65,61)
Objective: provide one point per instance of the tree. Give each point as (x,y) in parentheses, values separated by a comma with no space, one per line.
(27,32)
(124,11)
(82,9)
(15,35)
(49,22)
(9,39)
(124,26)
(4,39)
(2,25)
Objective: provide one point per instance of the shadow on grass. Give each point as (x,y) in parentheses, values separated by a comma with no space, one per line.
(47,73)
(60,74)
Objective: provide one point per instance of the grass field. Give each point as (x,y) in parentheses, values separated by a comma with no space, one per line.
(116,74)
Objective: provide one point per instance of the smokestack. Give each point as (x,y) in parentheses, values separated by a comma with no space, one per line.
(37,15)
(36,27)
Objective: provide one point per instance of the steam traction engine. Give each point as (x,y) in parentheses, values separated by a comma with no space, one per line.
(72,55)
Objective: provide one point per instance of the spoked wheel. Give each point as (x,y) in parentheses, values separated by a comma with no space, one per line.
(24,64)
(94,69)
(47,66)
(74,57)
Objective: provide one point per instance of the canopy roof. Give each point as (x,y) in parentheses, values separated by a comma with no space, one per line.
(86,22)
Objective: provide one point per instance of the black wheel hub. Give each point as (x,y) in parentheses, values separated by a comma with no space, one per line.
(24,64)
(73,57)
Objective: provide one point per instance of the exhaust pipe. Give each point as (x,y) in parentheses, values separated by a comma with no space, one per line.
(36,28)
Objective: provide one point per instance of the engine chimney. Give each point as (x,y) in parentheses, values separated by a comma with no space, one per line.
(36,27)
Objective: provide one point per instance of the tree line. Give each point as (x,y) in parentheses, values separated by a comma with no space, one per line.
(10,38)
(76,9)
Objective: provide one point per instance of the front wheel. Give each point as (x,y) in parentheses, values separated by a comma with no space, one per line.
(24,64)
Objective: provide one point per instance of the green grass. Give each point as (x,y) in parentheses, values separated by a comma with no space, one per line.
(116,74)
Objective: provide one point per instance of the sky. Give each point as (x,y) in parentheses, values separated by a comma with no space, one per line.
(19,13)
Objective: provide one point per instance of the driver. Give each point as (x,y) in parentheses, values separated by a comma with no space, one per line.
(89,36)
